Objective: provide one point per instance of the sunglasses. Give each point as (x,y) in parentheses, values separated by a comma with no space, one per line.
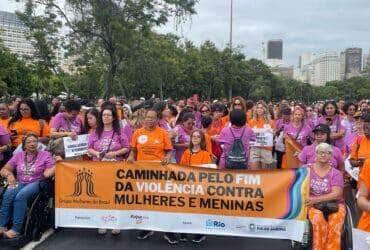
(237,104)
(204,111)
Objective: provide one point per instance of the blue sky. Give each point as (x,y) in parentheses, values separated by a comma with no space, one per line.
(304,25)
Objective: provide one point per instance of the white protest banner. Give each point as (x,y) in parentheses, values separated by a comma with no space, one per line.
(264,138)
(78,147)
(352,171)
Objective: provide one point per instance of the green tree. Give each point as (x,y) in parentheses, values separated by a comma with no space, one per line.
(114,25)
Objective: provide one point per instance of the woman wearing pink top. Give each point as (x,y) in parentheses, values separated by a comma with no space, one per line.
(321,135)
(31,166)
(326,186)
(297,129)
(332,118)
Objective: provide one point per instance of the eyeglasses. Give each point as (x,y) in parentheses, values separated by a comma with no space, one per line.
(237,104)
(204,111)
(324,153)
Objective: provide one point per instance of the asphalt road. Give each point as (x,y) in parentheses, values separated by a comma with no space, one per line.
(77,239)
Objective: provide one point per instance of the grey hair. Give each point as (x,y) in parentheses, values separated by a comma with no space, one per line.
(324,147)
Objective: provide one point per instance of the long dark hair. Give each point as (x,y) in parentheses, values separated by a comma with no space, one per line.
(328,103)
(116,123)
(43,110)
(93,112)
(17,116)
(55,109)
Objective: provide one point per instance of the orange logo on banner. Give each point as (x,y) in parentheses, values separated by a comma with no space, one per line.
(173,188)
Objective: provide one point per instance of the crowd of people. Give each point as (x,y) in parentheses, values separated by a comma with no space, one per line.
(227,135)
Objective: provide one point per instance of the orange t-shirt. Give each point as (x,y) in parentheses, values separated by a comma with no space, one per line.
(4,122)
(361,148)
(216,127)
(364,223)
(260,123)
(195,159)
(26,125)
(151,145)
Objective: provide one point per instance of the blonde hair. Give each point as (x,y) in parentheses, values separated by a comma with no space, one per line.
(266,116)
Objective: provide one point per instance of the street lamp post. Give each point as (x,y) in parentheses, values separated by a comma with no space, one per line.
(231,47)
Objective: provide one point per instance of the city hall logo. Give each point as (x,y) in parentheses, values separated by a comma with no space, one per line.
(84,180)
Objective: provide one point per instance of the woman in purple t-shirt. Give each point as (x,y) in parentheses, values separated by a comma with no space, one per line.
(67,123)
(326,184)
(297,129)
(332,118)
(4,143)
(321,134)
(108,142)
(31,166)
(182,133)
(237,130)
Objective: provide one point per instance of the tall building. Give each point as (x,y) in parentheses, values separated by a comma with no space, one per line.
(275,49)
(326,67)
(365,61)
(353,62)
(274,53)
(305,59)
(13,34)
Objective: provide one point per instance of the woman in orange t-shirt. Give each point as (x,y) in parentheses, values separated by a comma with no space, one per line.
(4,114)
(363,200)
(196,154)
(361,147)
(27,119)
(261,156)
(150,143)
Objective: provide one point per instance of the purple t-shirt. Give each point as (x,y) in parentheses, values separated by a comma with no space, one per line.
(312,121)
(165,125)
(128,131)
(182,138)
(34,171)
(336,126)
(62,124)
(301,133)
(280,123)
(116,141)
(227,139)
(323,185)
(308,156)
(4,139)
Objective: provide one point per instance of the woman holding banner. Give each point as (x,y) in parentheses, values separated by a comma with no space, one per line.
(108,142)
(262,126)
(321,135)
(151,143)
(326,211)
(30,166)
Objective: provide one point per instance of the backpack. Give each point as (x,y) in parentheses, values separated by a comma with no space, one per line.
(236,157)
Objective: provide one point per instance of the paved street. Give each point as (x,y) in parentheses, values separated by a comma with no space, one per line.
(71,239)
